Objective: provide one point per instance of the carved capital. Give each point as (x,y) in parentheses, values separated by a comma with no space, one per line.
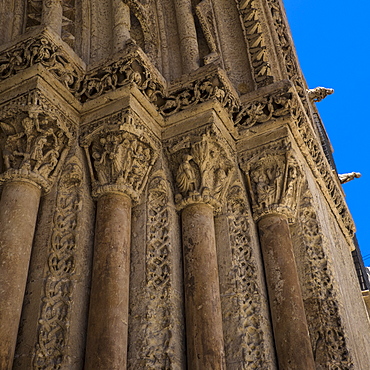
(120,156)
(202,170)
(33,145)
(274,182)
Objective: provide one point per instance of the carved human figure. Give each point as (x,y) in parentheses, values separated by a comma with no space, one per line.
(185,176)
(291,187)
(265,192)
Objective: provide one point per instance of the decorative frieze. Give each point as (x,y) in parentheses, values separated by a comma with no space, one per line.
(270,106)
(202,169)
(274,180)
(51,351)
(156,349)
(120,155)
(242,302)
(34,142)
(328,337)
(250,14)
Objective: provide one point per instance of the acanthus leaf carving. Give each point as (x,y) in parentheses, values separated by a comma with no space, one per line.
(120,156)
(202,170)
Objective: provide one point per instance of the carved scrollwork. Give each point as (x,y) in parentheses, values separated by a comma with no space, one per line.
(157,351)
(33,145)
(120,157)
(254,35)
(202,170)
(328,336)
(53,330)
(44,51)
(264,109)
(274,182)
(242,301)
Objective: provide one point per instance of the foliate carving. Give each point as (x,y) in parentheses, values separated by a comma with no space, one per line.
(275,105)
(319,93)
(274,181)
(53,330)
(44,51)
(285,44)
(328,337)
(120,156)
(212,86)
(202,170)
(243,334)
(133,68)
(321,168)
(34,145)
(157,351)
(252,27)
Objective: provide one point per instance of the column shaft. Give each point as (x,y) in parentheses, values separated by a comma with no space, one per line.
(291,334)
(18,214)
(52,15)
(108,315)
(187,35)
(121,30)
(202,293)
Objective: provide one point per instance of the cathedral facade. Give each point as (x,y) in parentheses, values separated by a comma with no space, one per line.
(169,198)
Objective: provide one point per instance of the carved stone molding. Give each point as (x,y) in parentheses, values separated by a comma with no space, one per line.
(270,106)
(252,21)
(274,180)
(328,336)
(120,155)
(202,169)
(51,349)
(245,339)
(41,49)
(34,141)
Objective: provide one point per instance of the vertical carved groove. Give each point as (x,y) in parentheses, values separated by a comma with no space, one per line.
(53,331)
(320,299)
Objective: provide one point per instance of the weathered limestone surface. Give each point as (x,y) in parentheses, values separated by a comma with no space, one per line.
(18,207)
(292,342)
(205,343)
(108,314)
(186,131)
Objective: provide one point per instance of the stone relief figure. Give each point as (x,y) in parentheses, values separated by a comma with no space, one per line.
(275,184)
(185,177)
(119,159)
(203,172)
(32,144)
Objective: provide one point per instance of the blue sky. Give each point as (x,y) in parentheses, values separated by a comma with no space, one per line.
(332,39)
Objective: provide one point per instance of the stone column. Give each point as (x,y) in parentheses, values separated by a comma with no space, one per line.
(292,341)
(33,147)
(108,315)
(122,25)
(204,334)
(18,213)
(187,35)
(274,184)
(202,170)
(52,15)
(120,159)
